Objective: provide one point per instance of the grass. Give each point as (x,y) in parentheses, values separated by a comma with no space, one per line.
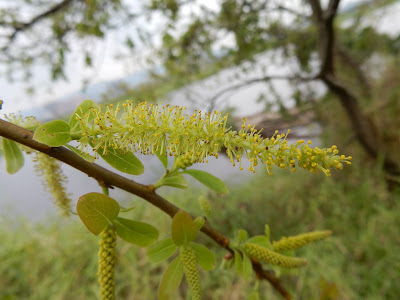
(58,260)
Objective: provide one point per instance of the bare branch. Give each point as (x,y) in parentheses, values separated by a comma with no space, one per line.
(324,21)
(19,27)
(332,10)
(238,86)
(356,67)
(108,178)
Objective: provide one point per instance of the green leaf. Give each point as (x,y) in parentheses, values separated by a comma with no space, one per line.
(13,156)
(260,240)
(124,162)
(183,229)
(54,133)
(161,250)
(205,258)
(134,232)
(84,155)
(238,262)
(210,181)
(177,181)
(97,211)
(171,280)
(267,232)
(163,156)
(247,267)
(242,236)
(80,111)
(199,221)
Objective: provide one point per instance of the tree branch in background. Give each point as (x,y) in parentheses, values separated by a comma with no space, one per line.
(359,73)
(365,129)
(246,83)
(108,178)
(20,27)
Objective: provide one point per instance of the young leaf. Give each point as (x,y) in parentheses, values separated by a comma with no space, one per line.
(260,240)
(161,250)
(97,211)
(238,262)
(177,181)
(247,267)
(205,258)
(13,156)
(267,232)
(171,280)
(134,232)
(80,111)
(242,236)
(54,133)
(208,180)
(124,162)
(183,229)
(85,156)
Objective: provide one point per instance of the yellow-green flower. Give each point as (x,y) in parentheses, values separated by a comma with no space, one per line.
(153,128)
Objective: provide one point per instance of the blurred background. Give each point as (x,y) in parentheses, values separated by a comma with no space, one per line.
(328,70)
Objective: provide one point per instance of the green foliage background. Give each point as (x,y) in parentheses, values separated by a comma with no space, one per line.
(360,261)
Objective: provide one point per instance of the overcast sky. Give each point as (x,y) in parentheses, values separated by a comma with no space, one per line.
(107,67)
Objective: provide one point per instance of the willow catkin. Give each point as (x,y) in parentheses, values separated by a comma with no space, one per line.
(191,271)
(294,242)
(107,260)
(265,255)
(54,180)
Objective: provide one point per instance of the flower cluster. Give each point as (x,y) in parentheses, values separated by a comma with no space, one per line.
(167,129)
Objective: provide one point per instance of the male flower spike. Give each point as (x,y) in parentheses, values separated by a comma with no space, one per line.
(167,129)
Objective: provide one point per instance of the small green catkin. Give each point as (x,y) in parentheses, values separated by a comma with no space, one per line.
(107,260)
(273,258)
(205,205)
(49,168)
(297,241)
(188,257)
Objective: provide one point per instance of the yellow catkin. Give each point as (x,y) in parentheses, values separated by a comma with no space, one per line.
(107,260)
(191,271)
(294,242)
(265,255)
(54,179)
(193,138)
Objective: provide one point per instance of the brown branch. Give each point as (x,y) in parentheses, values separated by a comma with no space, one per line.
(324,20)
(108,178)
(356,67)
(238,86)
(19,27)
(364,128)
